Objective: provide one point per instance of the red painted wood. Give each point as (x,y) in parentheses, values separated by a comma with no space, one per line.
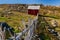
(32,12)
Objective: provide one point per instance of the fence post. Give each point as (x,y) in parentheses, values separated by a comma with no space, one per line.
(2,33)
(30,31)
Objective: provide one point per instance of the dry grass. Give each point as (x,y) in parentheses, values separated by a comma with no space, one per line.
(15,20)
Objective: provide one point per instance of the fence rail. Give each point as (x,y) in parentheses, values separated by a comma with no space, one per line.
(28,32)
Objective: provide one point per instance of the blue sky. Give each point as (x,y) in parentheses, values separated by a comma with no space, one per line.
(45,2)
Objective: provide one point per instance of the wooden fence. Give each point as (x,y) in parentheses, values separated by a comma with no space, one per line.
(28,32)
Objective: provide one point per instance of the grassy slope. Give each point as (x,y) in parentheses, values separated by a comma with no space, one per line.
(15,19)
(52,15)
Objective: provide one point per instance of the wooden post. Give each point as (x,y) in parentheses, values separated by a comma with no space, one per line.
(14,37)
(2,33)
(30,31)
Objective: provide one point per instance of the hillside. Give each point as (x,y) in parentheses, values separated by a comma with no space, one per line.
(51,13)
(12,12)
(13,16)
